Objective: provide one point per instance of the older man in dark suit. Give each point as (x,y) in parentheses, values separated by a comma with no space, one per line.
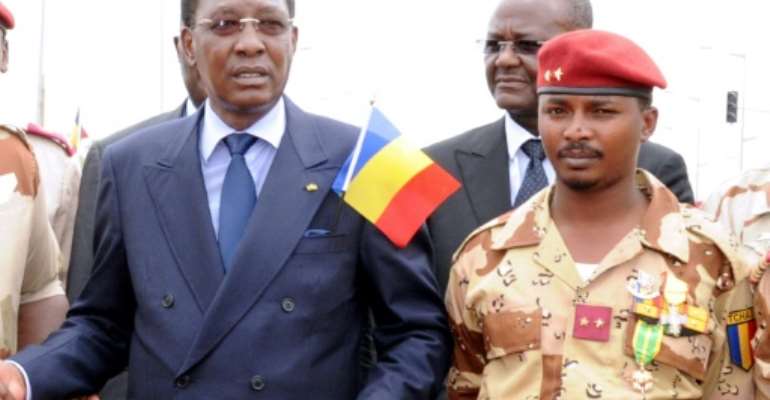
(225,266)
(503,163)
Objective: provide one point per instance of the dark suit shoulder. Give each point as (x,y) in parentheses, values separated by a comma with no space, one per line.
(477,140)
(337,138)
(157,119)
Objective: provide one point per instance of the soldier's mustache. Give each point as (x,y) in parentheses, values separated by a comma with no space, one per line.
(580,150)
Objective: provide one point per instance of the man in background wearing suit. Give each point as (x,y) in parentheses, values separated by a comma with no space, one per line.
(493,161)
(225,267)
(83,243)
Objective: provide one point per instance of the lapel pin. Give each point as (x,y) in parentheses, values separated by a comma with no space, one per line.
(311,187)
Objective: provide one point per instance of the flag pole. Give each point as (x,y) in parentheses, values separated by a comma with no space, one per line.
(357,149)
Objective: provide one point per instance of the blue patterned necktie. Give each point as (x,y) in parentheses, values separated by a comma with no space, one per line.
(535,179)
(239,195)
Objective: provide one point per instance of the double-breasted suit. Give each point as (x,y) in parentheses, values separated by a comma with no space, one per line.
(285,321)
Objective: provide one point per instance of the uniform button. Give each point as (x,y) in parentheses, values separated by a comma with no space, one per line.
(288,305)
(183,381)
(257,383)
(168,301)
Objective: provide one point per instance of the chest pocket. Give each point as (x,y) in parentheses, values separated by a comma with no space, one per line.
(689,354)
(512,331)
(323,244)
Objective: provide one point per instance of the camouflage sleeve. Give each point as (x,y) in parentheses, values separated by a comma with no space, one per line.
(66,214)
(41,275)
(761,343)
(730,375)
(469,356)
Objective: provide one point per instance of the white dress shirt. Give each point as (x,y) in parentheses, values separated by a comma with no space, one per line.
(215,157)
(518,161)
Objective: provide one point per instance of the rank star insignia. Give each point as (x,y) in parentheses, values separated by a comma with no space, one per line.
(591,323)
(547,75)
(558,74)
(311,187)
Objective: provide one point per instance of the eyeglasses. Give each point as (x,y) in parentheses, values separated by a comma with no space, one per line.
(231,26)
(493,47)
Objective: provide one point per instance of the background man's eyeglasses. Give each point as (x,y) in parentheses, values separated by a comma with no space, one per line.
(493,47)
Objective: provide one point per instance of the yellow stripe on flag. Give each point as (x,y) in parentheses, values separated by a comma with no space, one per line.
(383,176)
(745,342)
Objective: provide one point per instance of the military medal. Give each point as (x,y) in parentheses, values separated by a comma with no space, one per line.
(675,294)
(644,287)
(646,343)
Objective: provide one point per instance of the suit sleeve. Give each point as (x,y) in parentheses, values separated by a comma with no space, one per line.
(93,343)
(411,328)
(82,254)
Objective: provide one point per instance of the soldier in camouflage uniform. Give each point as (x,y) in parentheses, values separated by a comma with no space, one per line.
(32,301)
(743,206)
(603,286)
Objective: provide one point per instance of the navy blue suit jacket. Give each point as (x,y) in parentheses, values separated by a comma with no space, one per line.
(287,319)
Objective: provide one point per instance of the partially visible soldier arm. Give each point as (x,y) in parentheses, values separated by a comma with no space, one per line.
(469,358)
(761,343)
(43,305)
(725,380)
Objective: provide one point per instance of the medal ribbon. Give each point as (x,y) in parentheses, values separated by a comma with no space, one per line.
(647,341)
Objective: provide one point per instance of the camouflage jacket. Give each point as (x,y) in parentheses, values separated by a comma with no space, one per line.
(527,326)
(29,254)
(743,205)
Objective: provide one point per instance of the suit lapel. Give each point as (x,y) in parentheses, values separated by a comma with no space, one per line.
(264,250)
(176,186)
(484,168)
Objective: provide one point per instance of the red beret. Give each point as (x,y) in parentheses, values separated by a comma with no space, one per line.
(596,62)
(6,18)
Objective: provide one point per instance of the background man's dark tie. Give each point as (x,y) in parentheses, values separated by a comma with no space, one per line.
(535,179)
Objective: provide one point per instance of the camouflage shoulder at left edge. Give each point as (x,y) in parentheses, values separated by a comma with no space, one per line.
(16,131)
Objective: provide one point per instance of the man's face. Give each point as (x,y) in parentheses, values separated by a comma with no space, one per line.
(593,141)
(242,71)
(3,52)
(512,77)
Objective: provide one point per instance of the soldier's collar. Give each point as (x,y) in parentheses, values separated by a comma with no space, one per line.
(662,228)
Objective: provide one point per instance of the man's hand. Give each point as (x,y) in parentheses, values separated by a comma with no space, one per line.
(12,386)
(759,270)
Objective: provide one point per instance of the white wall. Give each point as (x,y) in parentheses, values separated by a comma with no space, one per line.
(115,60)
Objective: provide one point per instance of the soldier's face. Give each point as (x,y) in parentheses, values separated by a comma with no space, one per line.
(242,70)
(512,76)
(593,141)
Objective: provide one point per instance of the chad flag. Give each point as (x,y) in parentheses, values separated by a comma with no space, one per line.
(391,183)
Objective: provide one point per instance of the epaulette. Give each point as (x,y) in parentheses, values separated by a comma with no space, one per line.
(494,223)
(38,131)
(18,132)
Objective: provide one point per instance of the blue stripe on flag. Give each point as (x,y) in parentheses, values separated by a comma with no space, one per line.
(378,134)
(734,339)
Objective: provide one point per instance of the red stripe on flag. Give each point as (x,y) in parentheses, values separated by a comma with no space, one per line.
(412,205)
